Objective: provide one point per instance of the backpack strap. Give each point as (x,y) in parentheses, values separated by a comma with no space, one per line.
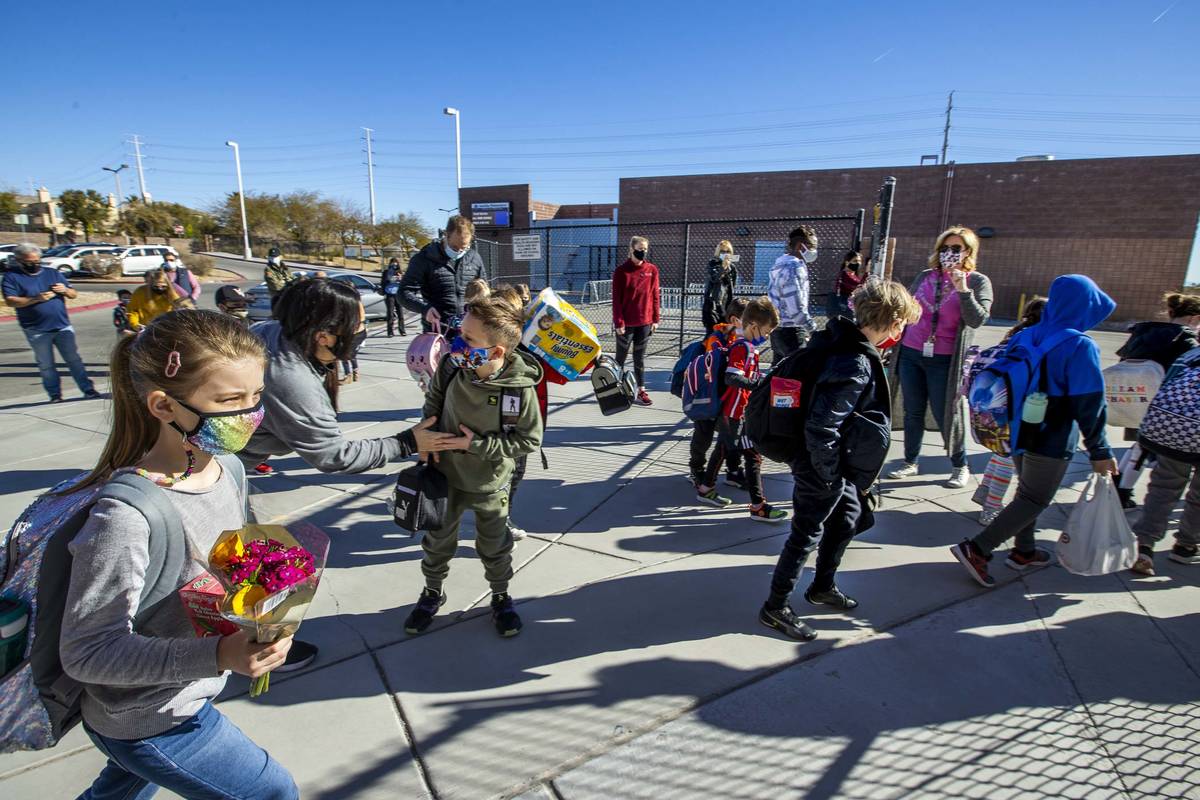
(167,542)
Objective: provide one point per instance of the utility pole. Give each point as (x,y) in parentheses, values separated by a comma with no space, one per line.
(137,154)
(946,132)
(370,174)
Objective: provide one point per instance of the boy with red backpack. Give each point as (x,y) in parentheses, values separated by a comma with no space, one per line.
(759,318)
(723,335)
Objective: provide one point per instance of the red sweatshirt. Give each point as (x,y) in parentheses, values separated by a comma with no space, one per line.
(636,298)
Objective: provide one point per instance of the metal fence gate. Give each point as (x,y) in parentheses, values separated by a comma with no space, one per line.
(578,262)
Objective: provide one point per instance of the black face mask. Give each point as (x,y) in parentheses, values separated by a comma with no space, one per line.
(357,340)
(31,269)
(640,255)
(161,289)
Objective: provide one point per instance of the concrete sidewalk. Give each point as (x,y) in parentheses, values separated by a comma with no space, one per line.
(643,672)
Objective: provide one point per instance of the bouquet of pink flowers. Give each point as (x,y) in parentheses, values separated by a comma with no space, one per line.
(270,574)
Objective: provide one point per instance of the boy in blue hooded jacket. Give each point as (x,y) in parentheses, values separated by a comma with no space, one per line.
(1076,406)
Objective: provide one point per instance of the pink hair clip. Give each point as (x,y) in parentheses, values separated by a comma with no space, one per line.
(173,364)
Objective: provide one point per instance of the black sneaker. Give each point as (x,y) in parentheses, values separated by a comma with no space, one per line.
(91,395)
(1185,554)
(505,616)
(737,479)
(786,621)
(300,656)
(422,614)
(834,597)
(56,399)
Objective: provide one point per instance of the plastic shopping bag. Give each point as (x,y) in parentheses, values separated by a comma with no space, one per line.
(1097,539)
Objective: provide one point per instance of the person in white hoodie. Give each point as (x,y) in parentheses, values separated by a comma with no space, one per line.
(788,290)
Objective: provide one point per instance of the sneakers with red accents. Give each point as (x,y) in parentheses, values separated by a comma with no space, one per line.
(1023,561)
(643,398)
(974,562)
(264,469)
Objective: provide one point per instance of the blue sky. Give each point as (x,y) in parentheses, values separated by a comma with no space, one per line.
(571,96)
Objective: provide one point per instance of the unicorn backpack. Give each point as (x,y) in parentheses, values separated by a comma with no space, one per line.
(425,353)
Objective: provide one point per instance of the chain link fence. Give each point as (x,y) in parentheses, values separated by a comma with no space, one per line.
(578,261)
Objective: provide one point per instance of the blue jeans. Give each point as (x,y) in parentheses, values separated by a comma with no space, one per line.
(43,344)
(923,383)
(205,757)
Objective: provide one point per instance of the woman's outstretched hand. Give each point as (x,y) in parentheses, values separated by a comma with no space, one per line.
(431,441)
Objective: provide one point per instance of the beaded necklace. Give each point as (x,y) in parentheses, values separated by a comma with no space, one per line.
(167,481)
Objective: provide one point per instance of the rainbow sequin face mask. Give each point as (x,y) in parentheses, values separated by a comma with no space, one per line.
(224,432)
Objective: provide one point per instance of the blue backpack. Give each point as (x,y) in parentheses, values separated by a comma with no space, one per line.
(703,384)
(689,354)
(998,390)
(39,702)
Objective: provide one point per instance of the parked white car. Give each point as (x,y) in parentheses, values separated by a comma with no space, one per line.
(140,259)
(67,262)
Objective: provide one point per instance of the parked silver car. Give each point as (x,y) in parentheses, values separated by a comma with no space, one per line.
(372,300)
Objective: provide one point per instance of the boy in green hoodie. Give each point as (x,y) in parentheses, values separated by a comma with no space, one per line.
(485,390)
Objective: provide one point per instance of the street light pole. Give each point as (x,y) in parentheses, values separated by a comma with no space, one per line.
(370,173)
(116,171)
(454,112)
(237,162)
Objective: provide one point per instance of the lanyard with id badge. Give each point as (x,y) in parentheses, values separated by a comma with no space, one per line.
(927,348)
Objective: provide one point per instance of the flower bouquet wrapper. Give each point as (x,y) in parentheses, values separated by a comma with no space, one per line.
(270,574)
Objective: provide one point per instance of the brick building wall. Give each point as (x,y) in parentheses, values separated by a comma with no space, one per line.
(597,211)
(1127,222)
(542,209)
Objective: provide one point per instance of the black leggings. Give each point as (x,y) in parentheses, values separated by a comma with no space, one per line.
(636,337)
(395,310)
(730,438)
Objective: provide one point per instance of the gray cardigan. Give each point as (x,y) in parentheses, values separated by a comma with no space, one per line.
(976,306)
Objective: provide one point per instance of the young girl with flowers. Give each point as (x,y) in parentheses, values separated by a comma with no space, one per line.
(185,390)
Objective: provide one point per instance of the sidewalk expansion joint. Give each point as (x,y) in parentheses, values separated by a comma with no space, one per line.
(1092,731)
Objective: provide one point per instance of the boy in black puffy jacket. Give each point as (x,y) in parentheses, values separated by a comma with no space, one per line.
(845,441)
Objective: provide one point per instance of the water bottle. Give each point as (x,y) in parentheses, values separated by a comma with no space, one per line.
(14,629)
(1034,410)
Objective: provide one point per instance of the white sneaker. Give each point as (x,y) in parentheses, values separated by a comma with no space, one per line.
(905,470)
(517,533)
(959,478)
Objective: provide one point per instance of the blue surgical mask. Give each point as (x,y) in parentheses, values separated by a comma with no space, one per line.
(756,341)
(451,253)
(464,356)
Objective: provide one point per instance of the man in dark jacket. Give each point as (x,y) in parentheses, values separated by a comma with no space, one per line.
(830,472)
(437,276)
(722,278)
(389,284)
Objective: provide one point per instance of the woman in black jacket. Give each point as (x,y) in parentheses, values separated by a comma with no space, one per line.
(722,278)
(389,284)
